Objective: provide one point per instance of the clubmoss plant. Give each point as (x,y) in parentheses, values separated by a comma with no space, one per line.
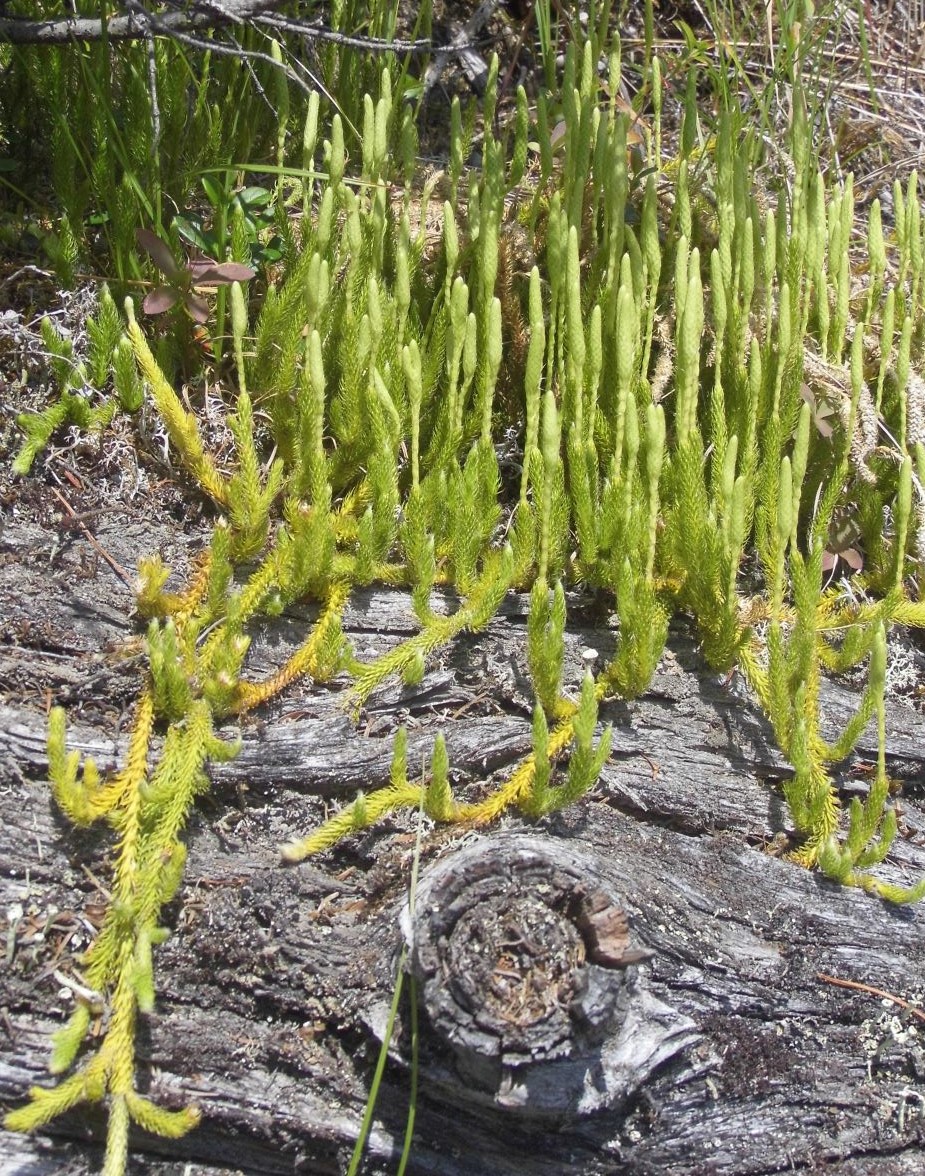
(677,336)
(130,129)
(107,360)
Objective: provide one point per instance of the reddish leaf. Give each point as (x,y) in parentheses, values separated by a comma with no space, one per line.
(158,251)
(160,300)
(212,273)
(200,267)
(852,558)
(201,337)
(198,308)
(235,271)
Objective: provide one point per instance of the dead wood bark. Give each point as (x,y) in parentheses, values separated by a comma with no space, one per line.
(275,986)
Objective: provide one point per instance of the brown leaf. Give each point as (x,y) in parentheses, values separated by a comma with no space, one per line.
(206,272)
(160,300)
(198,308)
(159,252)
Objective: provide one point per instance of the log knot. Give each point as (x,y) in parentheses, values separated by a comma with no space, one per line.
(521,949)
(511,963)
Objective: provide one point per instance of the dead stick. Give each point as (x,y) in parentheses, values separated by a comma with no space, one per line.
(858,987)
(77,520)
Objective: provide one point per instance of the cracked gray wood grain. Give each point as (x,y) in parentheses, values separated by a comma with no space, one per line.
(718,1052)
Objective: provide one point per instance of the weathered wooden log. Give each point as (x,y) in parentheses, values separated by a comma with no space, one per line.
(521,950)
(660,956)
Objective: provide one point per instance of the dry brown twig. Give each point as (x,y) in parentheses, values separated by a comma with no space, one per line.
(857,986)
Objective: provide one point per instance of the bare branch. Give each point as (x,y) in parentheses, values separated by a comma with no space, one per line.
(134,24)
(317,32)
(138,22)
